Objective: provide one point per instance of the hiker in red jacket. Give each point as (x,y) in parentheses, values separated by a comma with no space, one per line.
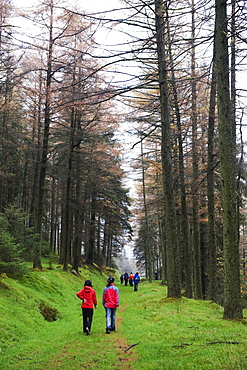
(110,301)
(89,301)
(131,277)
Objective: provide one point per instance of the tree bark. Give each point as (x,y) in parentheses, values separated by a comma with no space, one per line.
(195,202)
(232,303)
(148,246)
(43,166)
(211,292)
(173,276)
(187,261)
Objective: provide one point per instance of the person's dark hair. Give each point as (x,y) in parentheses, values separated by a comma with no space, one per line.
(110,280)
(88,283)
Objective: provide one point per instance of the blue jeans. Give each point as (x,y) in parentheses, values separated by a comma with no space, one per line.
(110,318)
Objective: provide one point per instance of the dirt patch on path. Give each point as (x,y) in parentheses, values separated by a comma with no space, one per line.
(126,357)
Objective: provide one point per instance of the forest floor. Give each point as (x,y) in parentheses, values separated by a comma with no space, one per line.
(153,332)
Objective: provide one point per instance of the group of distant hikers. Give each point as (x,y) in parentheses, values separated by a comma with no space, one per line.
(131,279)
(110,301)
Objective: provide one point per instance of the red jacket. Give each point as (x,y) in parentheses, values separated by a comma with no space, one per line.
(110,297)
(88,297)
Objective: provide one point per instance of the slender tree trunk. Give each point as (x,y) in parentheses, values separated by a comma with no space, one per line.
(195,202)
(211,264)
(232,301)
(233,97)
(52,220)
(108,244)
(105,241)
(67,212)
(187,262)
(163,251)
(173,275)
(79,220)
(36,138)
(92,227)
(43,167)
(148,245)
(162,243)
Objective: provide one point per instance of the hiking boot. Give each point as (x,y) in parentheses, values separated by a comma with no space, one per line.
(108,331)
(87,331)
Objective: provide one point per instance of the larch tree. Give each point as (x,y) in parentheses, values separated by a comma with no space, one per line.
(211,292)
(232,302)
(173,276)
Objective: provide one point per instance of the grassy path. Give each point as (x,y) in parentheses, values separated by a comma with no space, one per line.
(172,334)
(97,351)
(63,345)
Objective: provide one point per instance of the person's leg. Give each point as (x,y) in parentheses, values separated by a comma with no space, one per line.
(84,319)
(108,319)
(113,319)
(89,319)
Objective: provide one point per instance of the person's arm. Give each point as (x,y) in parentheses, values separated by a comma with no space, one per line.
(80,294)
(117,298)
(103,297)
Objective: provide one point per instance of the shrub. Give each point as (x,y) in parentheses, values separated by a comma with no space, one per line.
(10,261)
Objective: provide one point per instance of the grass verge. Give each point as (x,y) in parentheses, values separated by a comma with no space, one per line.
(182,334)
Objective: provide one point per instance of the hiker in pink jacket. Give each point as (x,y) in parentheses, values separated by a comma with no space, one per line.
(110,301)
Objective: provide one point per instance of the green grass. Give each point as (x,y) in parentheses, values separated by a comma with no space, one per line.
(181,334)
(172,334)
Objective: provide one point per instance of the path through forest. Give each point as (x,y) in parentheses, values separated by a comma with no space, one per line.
(98,351)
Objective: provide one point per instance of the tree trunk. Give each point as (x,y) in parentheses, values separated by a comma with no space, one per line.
(211,239)
(92,227)
(185,246)
(148,245)
(232,302)
(195,202)
(67,212)
(43,167)
(79,221)
(173,275)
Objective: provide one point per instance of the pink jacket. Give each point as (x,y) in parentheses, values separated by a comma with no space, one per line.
(110,297)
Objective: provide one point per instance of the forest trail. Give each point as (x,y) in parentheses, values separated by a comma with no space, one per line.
(97,351)
(171,333)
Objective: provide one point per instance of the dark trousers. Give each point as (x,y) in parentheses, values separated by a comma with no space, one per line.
(87,317)
(135,287)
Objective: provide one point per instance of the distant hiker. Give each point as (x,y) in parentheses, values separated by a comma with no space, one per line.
(110,301)
(89,301)
(121,279)
(131,277)
(136,281)
(126,278)
(156,275)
